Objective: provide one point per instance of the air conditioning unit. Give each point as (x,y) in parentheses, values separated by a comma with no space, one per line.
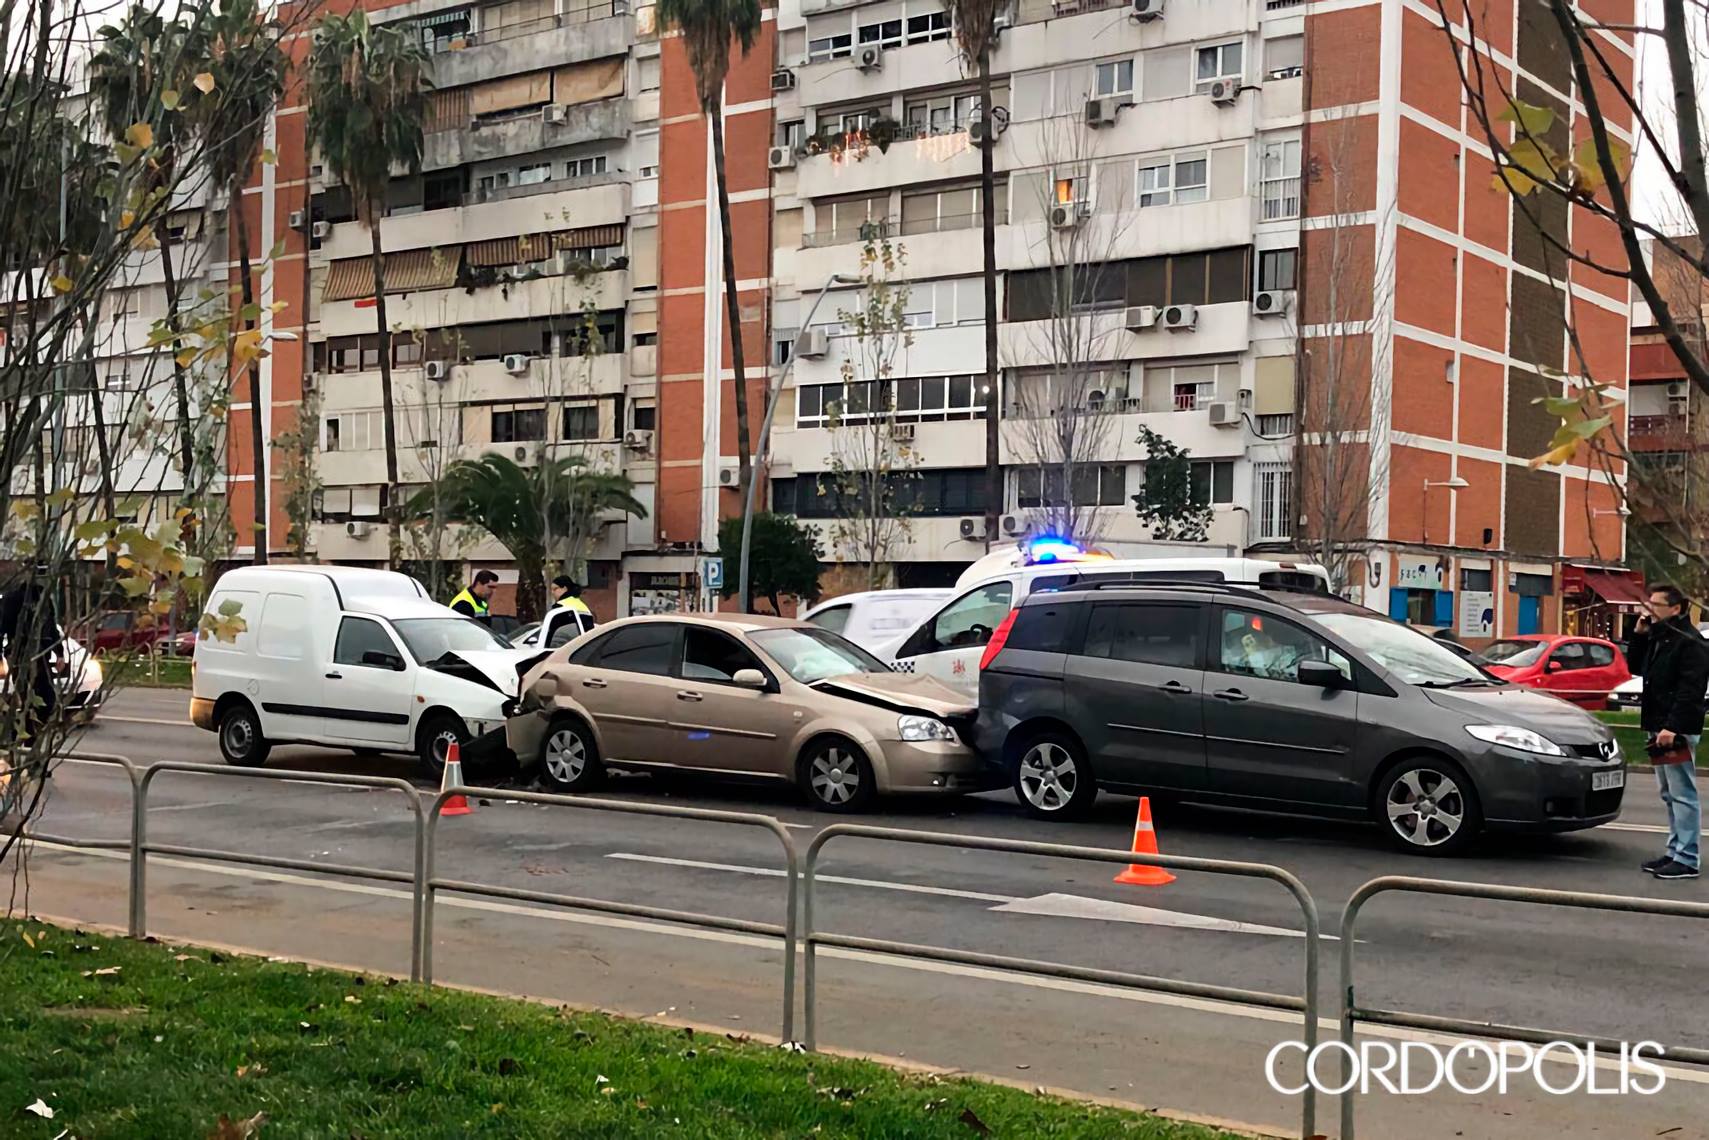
(813,344)
(1224,91)
(1014,526)
(869,58)
(902,433)
(1180,318)
(783,79)
(317,171)
(1067,215)
(619,7)
(554,114)
(1102,112)
(1144,11)
(321,230)
(781,158)
(1138,318)
(729,475)
(1000,23)
(521,454)
(1676,390)
(298,219)
(436,370)
(1224,413)
(973,530)
(311,381)
(992,126)
(516,363)
(1270,303)
(358,529)
(638,440)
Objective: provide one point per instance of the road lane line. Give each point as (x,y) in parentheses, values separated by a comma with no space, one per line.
(1646,828)
(1046,905)
(978,973)
(143,720)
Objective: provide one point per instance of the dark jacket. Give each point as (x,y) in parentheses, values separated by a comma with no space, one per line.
(1673,659)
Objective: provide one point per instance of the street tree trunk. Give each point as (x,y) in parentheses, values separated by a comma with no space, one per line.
(732,304)
(180,384)
(393,508)
(257,437)
(993,402)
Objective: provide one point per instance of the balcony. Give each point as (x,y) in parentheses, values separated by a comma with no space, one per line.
(585,31)
(1658,433)
(598,199)
(853,163)
(443,308)
(525,133)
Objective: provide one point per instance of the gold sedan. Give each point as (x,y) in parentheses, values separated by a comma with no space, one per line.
(745,696)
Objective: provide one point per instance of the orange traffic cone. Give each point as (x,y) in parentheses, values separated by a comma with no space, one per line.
(1144,843)
(459,805)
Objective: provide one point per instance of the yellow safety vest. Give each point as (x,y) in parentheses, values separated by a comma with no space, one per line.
(466,596)
(576,604)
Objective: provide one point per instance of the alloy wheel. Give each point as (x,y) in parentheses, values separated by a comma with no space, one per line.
(1426,807)
(1048,776)
(835,776)
(566,756)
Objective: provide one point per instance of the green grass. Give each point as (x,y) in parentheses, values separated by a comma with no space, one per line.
(174,1039)
(137,672)
(1631,738)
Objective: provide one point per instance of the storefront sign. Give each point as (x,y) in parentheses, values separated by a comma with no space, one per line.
(1477,614)
(1416,573)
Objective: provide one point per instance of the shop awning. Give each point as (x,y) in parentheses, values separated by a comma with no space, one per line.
(1624,590)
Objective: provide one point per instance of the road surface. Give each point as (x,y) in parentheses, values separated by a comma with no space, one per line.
(1630,977)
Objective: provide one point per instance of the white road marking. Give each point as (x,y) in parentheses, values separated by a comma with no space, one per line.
(143,720)
(1646,828)
(1050,905)
(1327,1026)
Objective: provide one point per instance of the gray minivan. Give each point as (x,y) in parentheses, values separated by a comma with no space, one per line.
(1280,701)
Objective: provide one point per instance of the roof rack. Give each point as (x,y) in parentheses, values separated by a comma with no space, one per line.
(1243,589)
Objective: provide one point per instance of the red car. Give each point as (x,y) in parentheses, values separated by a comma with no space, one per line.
(1583,670)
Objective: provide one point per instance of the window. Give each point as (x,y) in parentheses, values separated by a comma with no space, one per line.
(581,422)
(1145,634)
(534,174)
(1213,481)
(1601,656)
(784,346)
(1155,181)
(585,167)
(1114,77)
(835,619)
(792,133)
(1276,424)
(1284,57)
(642,648)
(885,33)
(442,190)
(927,27)
(643,416)
(1570,655)
(1094,485)
(647,72)
(946,208)
(1264,646)
(519,425)
(708,655)
(1274,496)
(941,114)
(440,31)
(1067,189)
(1220,61)
(1277,267)
(406,350)
(359,636)
(1191,174)
(1279,180)
(969,620)
(847,220)
(332,436)
(930,399)
(839,46)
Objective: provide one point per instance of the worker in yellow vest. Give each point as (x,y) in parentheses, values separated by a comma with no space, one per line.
(473,601)
(570,596)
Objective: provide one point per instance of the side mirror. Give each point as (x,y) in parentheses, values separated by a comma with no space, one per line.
(380,659)
(750,679)
(545,689)
(1322,674)
(1555,667)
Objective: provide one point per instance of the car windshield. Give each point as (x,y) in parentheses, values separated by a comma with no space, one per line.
(1513,654)
(813,654)
(1408,654)
(429,639)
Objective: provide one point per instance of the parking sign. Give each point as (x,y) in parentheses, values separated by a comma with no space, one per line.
(712,573)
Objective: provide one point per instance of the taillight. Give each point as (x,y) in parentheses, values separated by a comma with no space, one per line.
(998,637)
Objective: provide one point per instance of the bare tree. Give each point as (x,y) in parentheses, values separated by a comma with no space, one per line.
(873,464)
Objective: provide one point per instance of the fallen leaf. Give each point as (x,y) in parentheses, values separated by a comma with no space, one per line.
(185,958)
(352,999)
(609,1090)
(971,1119)
(140,135)
(204,82)
(41,1109)
(254,1070)
(229,1129)
(601,1079)
(28,941)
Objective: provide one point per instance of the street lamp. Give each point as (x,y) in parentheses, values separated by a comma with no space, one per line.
(1454,483)
(772,395)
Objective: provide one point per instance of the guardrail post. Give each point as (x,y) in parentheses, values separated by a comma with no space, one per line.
(425,925)
(418,892)
(810,967)
(139,853)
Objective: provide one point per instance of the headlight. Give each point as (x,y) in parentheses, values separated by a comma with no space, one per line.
(918,728)
(1512,736)
(92,672)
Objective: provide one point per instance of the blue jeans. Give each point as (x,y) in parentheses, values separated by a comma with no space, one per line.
(1678,784)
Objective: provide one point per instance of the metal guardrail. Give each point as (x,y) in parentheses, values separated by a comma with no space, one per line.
(131,771)
(1352,1012)
(812,938)
(431,883)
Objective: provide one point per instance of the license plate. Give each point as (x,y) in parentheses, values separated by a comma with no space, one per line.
(1602,781)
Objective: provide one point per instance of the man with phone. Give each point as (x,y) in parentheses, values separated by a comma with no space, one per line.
(1673,659)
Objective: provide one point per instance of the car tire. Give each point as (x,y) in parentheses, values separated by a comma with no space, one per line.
(1052,778)
(241,742)
(569,759)
(837,776)
(1427,805)
(437,731)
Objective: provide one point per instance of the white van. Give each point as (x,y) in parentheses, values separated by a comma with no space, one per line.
(876,617)
(351,658)
(949,644)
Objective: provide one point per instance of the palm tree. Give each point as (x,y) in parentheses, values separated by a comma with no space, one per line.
(976,35)
(248,68)
(707,28)
(522,506)
(367,89)
(140,60)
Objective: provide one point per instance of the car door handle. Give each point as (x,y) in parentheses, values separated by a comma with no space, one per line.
(1230,695)
(593,683)
(687,695)
(335,676)
(1175,687)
